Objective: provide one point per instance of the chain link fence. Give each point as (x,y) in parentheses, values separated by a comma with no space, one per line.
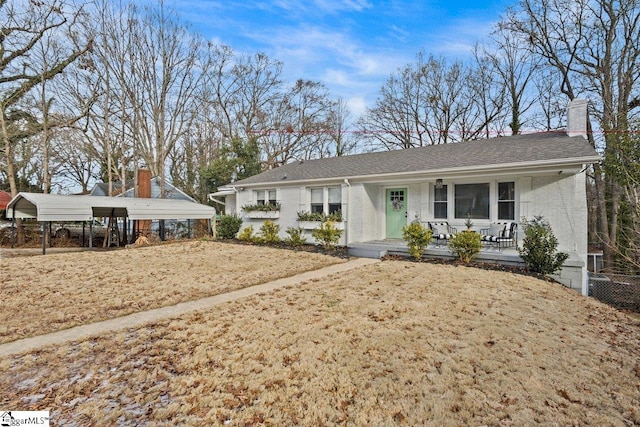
(618,290)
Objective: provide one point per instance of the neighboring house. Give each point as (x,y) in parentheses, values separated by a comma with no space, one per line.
(500,179)
(148,187)
(171,192)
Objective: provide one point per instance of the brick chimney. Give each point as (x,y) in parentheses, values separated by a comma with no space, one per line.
(143,227)
(577,118)
(144,183)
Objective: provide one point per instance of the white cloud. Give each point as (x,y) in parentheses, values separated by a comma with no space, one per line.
(357,106)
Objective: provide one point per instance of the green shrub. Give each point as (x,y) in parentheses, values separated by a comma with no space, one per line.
(228,226)
(540,247)
(269,233)
(327,234)
(295,238)
(246,235)
(465,245)
(320,216)
(417,237)
(262,207)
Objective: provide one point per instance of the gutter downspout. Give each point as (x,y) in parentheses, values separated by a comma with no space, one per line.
(346,216)
(237,204)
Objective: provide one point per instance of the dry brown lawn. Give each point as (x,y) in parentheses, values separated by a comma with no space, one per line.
(397,343)
(43,294)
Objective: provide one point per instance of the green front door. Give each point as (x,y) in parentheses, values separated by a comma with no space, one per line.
(396,211)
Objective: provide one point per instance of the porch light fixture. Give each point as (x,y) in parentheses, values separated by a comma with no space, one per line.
(439,183)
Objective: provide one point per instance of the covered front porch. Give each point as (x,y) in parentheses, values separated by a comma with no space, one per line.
(379,248)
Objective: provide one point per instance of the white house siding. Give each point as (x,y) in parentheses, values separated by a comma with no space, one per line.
(230,204)
(292,200)
(365,213)
(414,202)
(561,200)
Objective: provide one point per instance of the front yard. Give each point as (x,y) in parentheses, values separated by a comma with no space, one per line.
(396,343)
(42,294)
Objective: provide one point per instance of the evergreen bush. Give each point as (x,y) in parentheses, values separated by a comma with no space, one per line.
(327,234)
(417,237)
(228,226)
(269,233)
(466,245)
(296,238)
(540,247)
(246,235)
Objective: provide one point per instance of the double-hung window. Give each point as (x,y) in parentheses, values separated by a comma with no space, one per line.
(264,197)
(506,200)
(472,201)
(326,200)
(440,202)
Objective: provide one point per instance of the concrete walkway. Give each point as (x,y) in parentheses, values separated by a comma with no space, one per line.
(144,317)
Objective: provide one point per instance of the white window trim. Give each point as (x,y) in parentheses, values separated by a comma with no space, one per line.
(325,198)
(493,199)
(265,195)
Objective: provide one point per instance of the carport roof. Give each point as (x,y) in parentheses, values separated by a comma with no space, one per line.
(56,207)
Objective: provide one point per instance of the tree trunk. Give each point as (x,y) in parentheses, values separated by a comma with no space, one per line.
(11,173)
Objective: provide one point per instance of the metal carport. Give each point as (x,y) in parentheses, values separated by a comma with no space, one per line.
(55,207)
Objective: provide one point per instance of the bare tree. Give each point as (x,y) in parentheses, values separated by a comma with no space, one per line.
(432,101)
(551,103)
(341,141)
(515,68)
(167,69)
(25,25)
(301,123)
(592,47)
(75,162)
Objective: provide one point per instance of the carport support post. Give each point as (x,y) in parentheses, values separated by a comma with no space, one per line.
(14,231)
(44,238)
(91,235)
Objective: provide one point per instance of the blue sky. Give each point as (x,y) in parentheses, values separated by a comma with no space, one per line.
(352,46)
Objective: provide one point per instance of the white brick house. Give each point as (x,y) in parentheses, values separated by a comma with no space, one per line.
(500,179)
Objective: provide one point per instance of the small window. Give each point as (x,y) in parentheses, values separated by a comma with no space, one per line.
(440,202)
(335,199)
(472,201)
(263,197)
(506,200)
(317,205)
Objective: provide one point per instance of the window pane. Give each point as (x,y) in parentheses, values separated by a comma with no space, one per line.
(272,196)
(506,191)
(440,210)
(506,210)
(472,200)
(335,195)
(316,195)
(259,197)
(316,208)
(334,207)
(441,194)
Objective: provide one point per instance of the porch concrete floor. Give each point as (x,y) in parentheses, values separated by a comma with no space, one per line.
(380,248)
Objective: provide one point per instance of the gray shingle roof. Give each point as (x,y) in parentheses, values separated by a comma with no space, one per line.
(538,147)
